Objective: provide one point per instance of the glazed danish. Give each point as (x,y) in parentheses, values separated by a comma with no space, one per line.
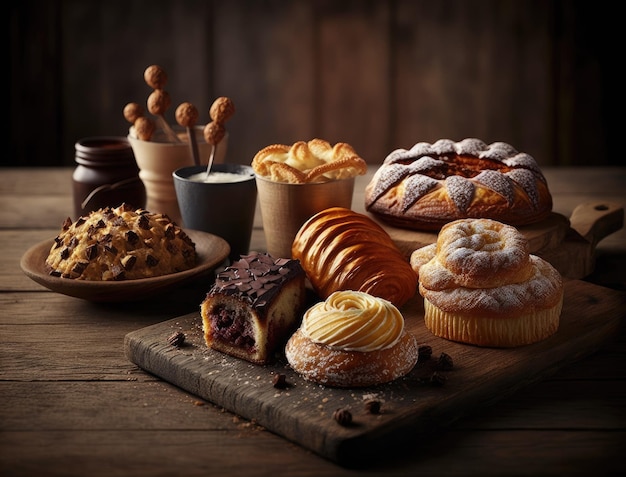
(340,249)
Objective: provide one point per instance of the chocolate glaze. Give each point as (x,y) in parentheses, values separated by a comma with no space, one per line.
(256,278)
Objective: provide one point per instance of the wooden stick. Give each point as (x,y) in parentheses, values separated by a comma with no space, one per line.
(194,145)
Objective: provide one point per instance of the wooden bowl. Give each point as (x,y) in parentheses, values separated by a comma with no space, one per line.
(212,251)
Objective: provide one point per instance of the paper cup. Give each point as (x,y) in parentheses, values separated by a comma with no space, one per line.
(158,160)
(285,207)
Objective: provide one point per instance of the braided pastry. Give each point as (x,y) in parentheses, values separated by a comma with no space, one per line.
(340,249)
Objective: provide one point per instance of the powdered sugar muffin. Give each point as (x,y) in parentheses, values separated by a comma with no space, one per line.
(481,286)
(352,339)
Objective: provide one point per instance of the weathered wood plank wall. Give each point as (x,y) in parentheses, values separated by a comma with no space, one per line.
(377,74)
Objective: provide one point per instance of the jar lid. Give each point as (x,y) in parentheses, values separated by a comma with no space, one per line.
(109,148)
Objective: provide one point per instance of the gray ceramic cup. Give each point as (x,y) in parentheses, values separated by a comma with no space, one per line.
(225,209)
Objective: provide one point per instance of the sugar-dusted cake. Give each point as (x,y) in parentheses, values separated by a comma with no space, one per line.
(481,286)
(120,244)
(253,307)
(429,185)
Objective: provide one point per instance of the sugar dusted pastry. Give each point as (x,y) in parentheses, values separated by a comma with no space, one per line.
(120,244)
(430,185)
(312,161)
(481,286)
(340,249)
(253,307)
(352,339)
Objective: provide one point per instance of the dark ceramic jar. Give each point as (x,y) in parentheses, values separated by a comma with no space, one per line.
(106,175)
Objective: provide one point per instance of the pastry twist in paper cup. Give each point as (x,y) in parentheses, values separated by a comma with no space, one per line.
(312,161)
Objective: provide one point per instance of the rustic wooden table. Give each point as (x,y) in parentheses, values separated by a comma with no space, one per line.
(73,404)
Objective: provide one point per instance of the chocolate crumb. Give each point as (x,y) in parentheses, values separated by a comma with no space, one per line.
(372,406)
(128,262)
(343,417)
(438,379)
(445,362)
(424,352)
(132,237)
(91,252)
(143,222)
(152,261)
(118,272)
(279,381)
(176,339)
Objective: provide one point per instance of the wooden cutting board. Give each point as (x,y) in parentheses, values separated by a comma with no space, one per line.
(568,244)
(303,411)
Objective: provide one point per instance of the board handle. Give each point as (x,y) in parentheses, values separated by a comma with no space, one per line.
(596,220)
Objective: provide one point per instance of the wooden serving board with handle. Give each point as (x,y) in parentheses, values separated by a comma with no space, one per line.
(303,412)
(568,244)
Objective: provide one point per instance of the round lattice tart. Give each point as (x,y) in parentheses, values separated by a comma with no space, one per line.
(429,185)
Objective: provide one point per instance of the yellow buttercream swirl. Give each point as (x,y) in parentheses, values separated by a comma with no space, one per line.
(353,321)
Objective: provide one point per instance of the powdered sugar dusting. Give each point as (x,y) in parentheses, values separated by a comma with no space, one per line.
(397,156)
(424,164)
(422,149)
(460,168)
(470,146)
(416,187)
(542,290)
(443,146)
(527,181)
(477,253)
(461,191)
(498,151)
(384,182)
(497,182)
(523,160)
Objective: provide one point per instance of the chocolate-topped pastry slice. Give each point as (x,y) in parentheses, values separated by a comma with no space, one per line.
(254,306)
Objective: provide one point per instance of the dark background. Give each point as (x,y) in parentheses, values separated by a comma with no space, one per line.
(379,75)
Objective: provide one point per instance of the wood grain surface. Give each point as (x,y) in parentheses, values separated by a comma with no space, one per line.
(303,411)
(73,404)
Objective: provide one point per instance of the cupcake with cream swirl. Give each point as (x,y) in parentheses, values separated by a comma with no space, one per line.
(352,339)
